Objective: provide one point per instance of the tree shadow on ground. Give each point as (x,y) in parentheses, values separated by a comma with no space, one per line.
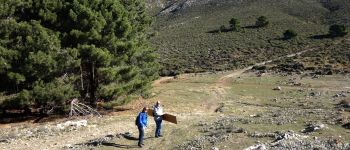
(320,37)
(23,117)
(229,30)
(279,39)
(219,31)
(251,27)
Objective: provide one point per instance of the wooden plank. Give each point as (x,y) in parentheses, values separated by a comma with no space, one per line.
(166,117)
(170,118)
(150,112)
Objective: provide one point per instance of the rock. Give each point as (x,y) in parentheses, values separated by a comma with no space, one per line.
(346,126)
(257,147)
(254,115)
(315,94)
(345,103)
(153,94)
(297,84)
(4,141)
(291,140)
(313,128)
(261,74)
(289,135)
(278,88)
(214,148)
(74,124)
(339,95)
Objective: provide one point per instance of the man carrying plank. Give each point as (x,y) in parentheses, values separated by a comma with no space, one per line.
(158,118)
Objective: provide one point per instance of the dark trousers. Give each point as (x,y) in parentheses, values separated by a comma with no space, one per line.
(158,127)
(141,135)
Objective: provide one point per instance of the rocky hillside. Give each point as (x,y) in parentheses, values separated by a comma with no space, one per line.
(186,32)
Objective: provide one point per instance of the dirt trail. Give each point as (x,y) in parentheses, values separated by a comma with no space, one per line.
(161,80)
(237,73)
(218,89)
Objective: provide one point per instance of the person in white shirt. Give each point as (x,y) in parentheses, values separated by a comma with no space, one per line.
(158,118)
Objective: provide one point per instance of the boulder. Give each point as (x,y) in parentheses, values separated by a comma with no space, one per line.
(278,88)
(214,148)
(315,94)
(257,147)
(313,128)
(346,125)
(74,124)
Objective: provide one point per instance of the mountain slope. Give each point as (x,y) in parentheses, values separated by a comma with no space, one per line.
(185,31)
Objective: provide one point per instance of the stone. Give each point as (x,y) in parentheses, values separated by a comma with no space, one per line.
(316,94)
(214,148)
(74,124)
(346,125)
(278,88)
(313,128)
(257,147)
(339,95)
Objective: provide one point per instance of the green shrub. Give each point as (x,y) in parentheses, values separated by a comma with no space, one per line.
(337,30)
(261,21)
(222,28)
(234,24)
(288,34)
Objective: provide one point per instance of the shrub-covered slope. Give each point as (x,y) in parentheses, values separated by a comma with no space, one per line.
(186,32)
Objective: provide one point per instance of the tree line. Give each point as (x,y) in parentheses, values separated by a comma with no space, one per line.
(54,50)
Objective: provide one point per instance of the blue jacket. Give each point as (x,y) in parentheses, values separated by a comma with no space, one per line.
(142,119)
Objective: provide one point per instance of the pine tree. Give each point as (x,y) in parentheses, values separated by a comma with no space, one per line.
(97,48)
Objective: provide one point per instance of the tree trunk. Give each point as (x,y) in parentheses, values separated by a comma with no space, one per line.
(93,85)
(81,77)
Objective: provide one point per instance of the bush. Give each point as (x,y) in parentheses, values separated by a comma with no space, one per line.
(288,34)
(21,101)
(234,24)
(261,22)
(222,28)
(337,31)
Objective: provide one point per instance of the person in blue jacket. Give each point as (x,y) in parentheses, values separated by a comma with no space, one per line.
(141,122)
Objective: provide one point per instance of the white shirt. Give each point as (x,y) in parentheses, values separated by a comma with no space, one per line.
(158,112)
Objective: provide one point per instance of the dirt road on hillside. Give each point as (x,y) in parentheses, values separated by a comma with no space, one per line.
(238,72)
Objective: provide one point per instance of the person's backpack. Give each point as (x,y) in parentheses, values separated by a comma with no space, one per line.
(137,120)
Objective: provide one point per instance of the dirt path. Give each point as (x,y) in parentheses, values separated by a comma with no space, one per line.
(222,84)
(161,80)
(239,72)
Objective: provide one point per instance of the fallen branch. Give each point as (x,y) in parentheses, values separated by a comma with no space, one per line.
(80,109)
